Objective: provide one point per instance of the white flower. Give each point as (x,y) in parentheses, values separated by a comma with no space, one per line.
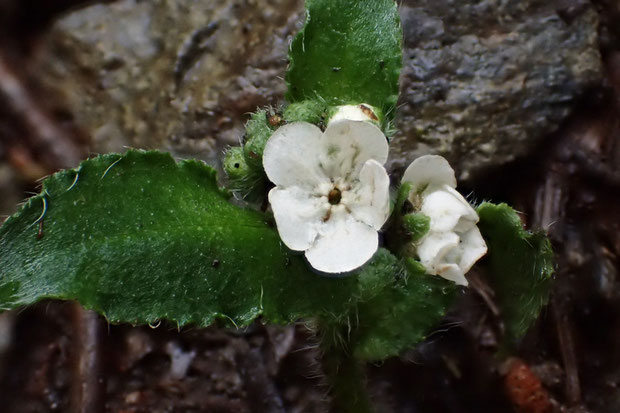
(453,243)
(332,192)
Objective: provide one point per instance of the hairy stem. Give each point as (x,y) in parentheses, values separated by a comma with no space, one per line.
(346,377)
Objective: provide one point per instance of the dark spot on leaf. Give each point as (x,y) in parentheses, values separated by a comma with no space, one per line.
(382,64)
(236,165)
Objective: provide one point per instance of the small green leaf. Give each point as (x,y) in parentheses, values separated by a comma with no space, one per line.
(348,52)
(402,196)
(400,315)
(141,238)
(417,225)
(520,267)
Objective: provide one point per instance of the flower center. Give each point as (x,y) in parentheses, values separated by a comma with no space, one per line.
(334,196)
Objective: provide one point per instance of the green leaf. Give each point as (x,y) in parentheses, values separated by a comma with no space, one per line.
(520,265)
(401,314)
(348,52)
(141,238)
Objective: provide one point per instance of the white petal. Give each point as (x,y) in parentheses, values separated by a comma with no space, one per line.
(344,245)
(429,170)
(369,200)
(467,219)
(354,112)
(448,210)
(347,145)
(298,215)
(452,272)
(473,247)
(291,155)
(434,247)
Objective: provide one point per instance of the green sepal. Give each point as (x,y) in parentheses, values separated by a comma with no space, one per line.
(417,225)
(259,122)
(520,268)
(414,266)
(401,198)
(253,151)
(348,52)
(311,111)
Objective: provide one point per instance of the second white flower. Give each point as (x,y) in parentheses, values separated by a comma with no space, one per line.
(453,243)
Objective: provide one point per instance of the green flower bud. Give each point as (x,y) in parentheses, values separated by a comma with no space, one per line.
(311,111)
(253,151)
(246,182)
(235,164)
(258,131)
(261,122)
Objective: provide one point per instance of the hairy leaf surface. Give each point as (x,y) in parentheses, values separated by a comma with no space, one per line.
(349,51)
(520,267)
(402,314)
(140,238)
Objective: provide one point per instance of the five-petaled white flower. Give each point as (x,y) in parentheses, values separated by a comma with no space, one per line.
(453,243)
(332,192)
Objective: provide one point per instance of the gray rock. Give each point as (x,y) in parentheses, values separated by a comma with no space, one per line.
(178,75)
(483,80)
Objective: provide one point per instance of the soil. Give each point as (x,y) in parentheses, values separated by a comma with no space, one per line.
(56,357)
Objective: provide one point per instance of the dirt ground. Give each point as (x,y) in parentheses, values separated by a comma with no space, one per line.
(56,357)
